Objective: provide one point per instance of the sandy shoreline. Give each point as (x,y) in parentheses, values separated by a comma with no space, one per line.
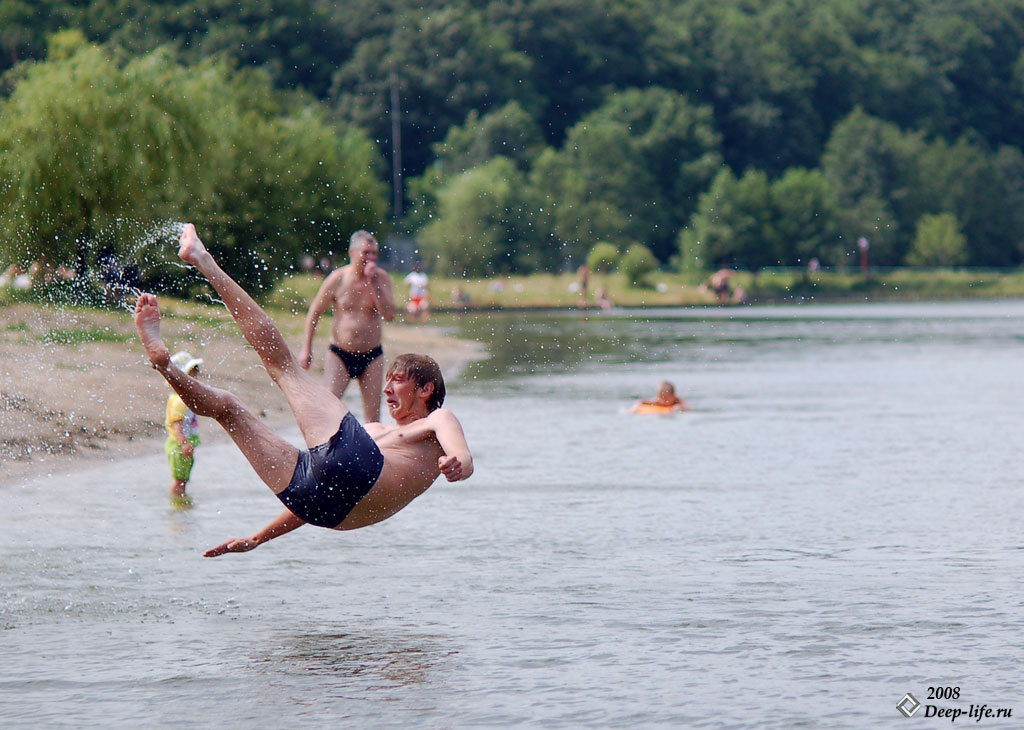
(76,390)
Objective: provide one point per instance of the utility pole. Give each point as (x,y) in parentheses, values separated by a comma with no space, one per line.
(396,148)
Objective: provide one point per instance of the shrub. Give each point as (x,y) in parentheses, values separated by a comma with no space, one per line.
(637,263)
(938,242)
(603,257)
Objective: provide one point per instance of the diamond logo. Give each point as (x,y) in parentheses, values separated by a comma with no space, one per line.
(908,705)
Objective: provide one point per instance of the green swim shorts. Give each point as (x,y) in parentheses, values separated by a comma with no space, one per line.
(181,465)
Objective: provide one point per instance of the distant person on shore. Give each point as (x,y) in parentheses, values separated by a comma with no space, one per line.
(602,299)
(584,283)
(347,476)
(460,298)
(419,295)
(666,401)
(182,433)
(721,286)
(360,295)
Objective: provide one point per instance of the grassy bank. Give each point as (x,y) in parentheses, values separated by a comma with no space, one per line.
(673,289)
(293,294)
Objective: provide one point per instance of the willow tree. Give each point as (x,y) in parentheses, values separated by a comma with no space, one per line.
(88,140)
(85,142)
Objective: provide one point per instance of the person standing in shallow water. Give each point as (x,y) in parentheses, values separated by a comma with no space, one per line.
(348,476)
(182,433)
(360,296)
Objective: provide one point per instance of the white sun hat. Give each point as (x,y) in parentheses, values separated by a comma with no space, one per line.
(185,362)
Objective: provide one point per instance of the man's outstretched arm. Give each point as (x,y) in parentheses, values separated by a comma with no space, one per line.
(321,302)
(457,462)
(285,522)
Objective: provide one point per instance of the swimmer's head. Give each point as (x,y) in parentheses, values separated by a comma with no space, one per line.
(421,369)
(186,363)
(666,388)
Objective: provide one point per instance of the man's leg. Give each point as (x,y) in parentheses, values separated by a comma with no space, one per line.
(272,457)
(316,412)
(335,374)
(370,384)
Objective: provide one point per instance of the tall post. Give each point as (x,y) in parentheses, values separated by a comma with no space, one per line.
(396,148)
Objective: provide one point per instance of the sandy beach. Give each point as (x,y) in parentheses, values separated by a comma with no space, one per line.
(75,387)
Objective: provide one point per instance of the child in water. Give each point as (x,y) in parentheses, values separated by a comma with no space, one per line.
(183,434)
(667,400)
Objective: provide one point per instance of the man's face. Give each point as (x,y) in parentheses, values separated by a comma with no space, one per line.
(364,251)
(402,396)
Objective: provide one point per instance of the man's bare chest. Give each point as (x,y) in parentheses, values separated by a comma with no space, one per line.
(355,295)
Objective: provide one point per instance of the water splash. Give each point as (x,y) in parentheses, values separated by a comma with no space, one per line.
(121,261)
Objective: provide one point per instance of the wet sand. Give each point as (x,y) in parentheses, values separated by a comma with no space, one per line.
(75,386)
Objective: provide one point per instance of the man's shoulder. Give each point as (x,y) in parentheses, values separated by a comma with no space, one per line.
(433,420)
(441,415)
(332,281)
(339,273)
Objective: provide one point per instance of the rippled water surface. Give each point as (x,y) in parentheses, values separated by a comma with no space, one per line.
(837,522)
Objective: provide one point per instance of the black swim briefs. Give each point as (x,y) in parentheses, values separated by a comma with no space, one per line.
(356,362)
(331,478)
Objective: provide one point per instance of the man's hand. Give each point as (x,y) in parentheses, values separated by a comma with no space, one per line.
(306,358)
(370,269)
(187,449)
(234,545)
(451,467)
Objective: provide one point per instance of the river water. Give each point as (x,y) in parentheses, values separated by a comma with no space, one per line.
(836,523)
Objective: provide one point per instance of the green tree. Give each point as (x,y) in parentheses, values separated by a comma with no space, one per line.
(576,51)
(88,143)
(964,179)
(84,143)
(1009,169)
(603,257)
(17,37)
(636,263)
(630,170)
(874,168)
(735,224)
(672,139)
(443,65)
(508,131)
(292,40)
(807,218)
(486,224)
(761,96)
(594,188)
(938,242)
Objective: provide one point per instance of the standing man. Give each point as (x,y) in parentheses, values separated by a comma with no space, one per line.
(360,295)
(419,294)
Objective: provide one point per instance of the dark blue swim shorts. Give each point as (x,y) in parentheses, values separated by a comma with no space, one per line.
(331,478)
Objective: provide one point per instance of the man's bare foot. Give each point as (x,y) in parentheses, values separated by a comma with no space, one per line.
(147,322)
(190,249)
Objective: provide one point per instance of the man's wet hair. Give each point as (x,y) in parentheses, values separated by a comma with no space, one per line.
(421,369)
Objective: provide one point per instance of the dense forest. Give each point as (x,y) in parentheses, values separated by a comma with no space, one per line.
(515,135)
